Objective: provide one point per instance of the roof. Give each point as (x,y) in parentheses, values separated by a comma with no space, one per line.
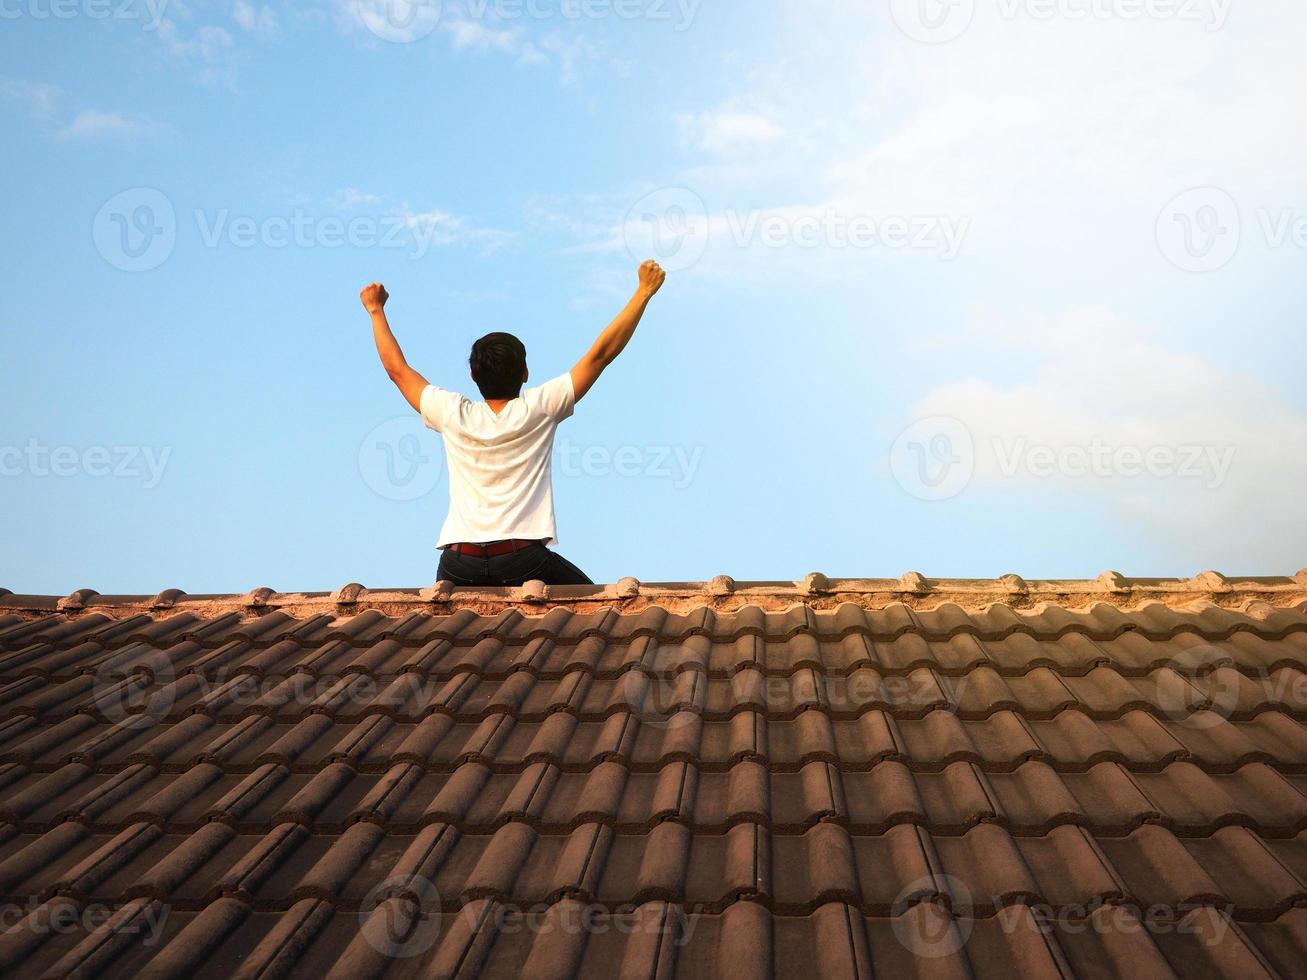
(849,777)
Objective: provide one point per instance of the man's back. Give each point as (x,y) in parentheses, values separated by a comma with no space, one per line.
(499,452)
(499,464)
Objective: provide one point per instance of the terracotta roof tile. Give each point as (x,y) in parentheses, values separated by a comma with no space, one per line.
(857,777)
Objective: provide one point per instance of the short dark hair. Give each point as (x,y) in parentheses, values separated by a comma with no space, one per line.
(498,363)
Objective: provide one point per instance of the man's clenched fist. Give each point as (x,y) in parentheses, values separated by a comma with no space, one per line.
(652,277)
(374,297)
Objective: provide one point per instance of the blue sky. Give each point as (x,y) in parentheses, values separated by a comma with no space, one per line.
(1010,286)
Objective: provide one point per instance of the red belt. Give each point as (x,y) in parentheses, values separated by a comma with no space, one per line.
(491,549)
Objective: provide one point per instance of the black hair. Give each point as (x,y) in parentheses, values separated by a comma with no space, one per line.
(498,363)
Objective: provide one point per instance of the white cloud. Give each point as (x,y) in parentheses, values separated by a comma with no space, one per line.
(1084,128)
(351,199)
(725,132)
(38,99)
(208,50)
(1227,477)
(430,227)
(92,123)
(261,21)
(566,52)
(1060,141)
(437,227)
(47,105)
(468,34)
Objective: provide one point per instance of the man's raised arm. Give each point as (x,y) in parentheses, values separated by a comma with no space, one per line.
(616,334)
(409,382)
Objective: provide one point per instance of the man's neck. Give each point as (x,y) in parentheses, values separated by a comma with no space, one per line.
(497,405)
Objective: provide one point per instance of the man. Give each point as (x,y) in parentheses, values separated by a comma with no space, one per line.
(501,498)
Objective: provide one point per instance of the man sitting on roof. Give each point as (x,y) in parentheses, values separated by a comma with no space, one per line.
(501,498)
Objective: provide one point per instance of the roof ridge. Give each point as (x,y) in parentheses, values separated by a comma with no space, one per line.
(722,592)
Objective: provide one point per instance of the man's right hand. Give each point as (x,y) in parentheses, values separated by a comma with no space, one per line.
(652,277)
(374,297)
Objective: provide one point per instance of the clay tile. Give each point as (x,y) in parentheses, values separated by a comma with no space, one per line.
(1013,583)
(1210,582)
(721,585)
(627,588)
(913,582)
(814,583)
(258,598)
(440,592)
(1114,582)
(535,591)
(166,599)
(347,595)
(76,600)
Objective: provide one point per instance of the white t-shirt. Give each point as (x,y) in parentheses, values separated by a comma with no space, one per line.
(500,472)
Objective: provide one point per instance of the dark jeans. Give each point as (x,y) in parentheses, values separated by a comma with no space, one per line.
(534,561)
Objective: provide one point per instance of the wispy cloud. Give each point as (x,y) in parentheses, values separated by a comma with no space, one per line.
(441,228)
(431,226)
(568,53)
(725,132)
(48,105)
(207,50)
(195,36)
(261,21)
(1104,380)
(477,29)
(93,123)
(38,99)
(352,199)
